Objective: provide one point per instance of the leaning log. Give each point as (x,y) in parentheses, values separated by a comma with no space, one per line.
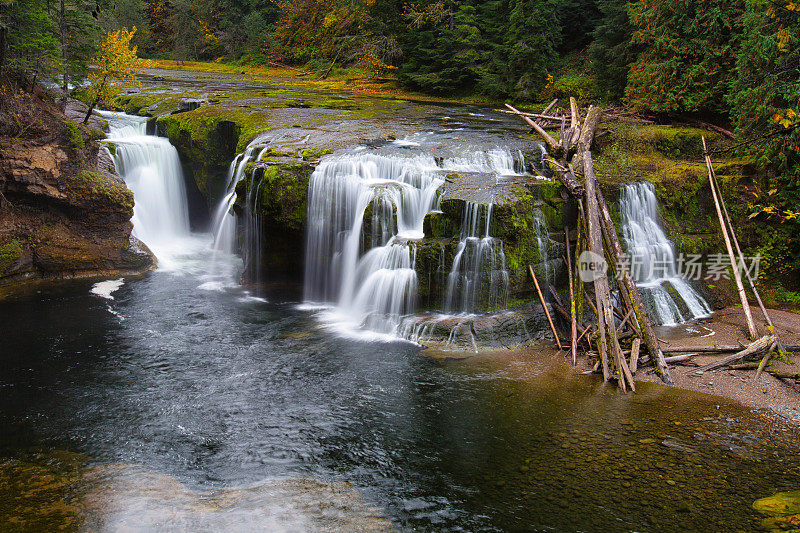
(734,265)
(607,329)
(544,306)
(631,295)
(552,145)
(572,315)
(767,342)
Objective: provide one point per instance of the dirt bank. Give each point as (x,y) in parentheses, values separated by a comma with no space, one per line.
(728,327)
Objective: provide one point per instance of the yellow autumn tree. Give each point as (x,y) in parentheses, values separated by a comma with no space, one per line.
(115,67)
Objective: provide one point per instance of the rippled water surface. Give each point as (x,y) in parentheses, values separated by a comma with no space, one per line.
(184,397)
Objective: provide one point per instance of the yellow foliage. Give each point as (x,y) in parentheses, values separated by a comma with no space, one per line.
(116,66)
(787,119)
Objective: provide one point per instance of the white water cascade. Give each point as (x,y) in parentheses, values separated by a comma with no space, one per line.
(479,274)
(370,290)
(224,222)
(652,258)
(152,171)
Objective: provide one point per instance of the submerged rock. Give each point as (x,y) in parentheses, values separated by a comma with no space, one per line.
(55,490)
(783,509)
(779,504)
(462,335)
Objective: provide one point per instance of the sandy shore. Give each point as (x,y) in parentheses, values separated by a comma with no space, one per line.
(728,326)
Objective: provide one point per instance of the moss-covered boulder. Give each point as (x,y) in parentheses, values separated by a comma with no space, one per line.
(276,192)
(207,142)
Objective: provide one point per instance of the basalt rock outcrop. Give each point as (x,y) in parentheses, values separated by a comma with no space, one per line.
(64,212)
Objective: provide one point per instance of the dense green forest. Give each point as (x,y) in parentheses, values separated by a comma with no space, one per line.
(732,62)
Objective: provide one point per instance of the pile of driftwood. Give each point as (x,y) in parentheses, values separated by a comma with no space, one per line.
(620,336)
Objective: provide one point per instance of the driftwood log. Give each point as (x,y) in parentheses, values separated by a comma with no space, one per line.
(767,342)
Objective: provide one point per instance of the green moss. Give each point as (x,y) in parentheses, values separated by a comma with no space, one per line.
(95,186)
(74,136)
(311,153)
(97,134)
(153,102)
(273,153)
(9,253)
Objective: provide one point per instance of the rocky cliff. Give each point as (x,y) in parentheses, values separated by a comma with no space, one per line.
(64,212)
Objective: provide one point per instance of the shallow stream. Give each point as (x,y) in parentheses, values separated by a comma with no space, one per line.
(128,411)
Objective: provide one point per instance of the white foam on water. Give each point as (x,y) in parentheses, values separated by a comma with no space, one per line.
(105,289)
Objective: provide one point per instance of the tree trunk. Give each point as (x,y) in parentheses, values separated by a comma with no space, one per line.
(63,28)
(89,112)
(605,315)
(630,292)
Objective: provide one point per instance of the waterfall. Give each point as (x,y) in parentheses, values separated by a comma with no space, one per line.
(224,222)
(150,167)
(370,290)
(478,276)
(652,258)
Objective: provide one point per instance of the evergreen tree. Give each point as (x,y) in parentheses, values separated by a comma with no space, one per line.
(439,48)
(612,51)
(577,20)
(32,47)
(535,35)
(688,52)
(764,99)
(127,14)
(82,37)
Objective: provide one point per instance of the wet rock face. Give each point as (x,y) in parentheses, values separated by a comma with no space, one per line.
(276,193)
(64,212)
(463,335)
(529,219)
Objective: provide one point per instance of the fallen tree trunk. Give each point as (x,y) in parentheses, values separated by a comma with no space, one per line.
(716,348)
(767,342)
(631,295)
(783,374)
(551,118)
(679,358)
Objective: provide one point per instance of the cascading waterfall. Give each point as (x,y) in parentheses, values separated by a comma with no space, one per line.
(224,221)
(151,169)
(652,258)
(498,161)
(543,242)
(479,274)
(374,289)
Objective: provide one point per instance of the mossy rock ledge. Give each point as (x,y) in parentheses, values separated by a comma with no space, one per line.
(64,213)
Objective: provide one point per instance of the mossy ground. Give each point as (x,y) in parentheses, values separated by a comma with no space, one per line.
(9,253)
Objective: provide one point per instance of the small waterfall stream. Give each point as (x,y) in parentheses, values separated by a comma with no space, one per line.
(151,169)
(479,272)
(224,223)
(652,258)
